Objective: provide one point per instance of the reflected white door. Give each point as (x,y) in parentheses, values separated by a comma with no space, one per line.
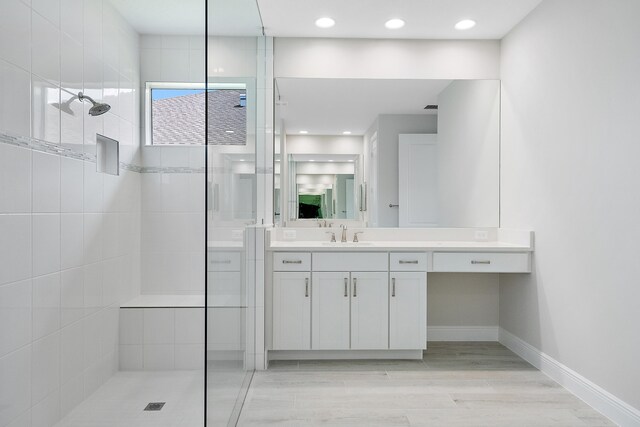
(418,180)
(349,199)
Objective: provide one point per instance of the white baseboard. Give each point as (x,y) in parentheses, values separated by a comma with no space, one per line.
(462,333)
(595,396)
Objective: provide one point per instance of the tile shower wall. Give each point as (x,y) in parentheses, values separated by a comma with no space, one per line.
(69,246)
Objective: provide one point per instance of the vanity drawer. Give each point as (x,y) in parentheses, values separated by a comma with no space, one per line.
(223,261)
(487,262)
(408,261)
(291,261)
(350,261)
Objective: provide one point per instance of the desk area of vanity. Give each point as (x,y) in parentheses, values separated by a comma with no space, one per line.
(368,299)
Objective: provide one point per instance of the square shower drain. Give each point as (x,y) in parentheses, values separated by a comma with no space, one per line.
(154,406)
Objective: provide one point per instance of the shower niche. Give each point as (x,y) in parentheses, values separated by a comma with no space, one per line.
(107,155)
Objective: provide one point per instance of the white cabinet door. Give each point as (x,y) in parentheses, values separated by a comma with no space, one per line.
(408,310)
(418,180)
(330,311)
(369,311)
(291,311)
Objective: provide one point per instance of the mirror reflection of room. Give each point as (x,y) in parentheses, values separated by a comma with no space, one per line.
(386,153)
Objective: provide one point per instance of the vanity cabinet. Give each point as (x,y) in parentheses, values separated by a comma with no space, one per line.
(330,307)
(369,311)
(292,310)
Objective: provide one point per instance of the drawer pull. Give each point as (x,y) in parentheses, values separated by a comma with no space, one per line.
(393,287)
(287,261)
(408,262)
(355,287)
(306,287)
(346,285)
(480,262)
(226,261)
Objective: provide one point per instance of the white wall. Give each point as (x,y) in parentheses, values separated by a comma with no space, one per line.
(570,108)
(386,59)
(69,237)
(469,154)
(389,127)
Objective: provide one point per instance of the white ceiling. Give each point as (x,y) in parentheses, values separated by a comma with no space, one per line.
(186,17)
(425,19)
(331,106)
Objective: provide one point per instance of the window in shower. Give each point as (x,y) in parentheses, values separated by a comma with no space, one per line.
(175,114)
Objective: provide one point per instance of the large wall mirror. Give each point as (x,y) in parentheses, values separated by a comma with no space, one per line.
(387,153)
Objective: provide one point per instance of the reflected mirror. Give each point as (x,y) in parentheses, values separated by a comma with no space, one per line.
(387,153)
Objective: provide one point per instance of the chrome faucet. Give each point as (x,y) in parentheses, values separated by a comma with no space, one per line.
(355,236)
(333,235)
(343,239)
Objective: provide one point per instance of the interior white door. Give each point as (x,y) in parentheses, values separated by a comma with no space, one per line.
(418,180)
(330,311)
(369,310)
(291,311)
(408,310)
(350,199)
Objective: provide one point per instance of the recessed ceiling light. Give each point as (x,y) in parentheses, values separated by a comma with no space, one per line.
(312,160)
(346,132)
(325,22)
(228,131)
(242,160)
(394,24)
(330,160)
(465,24)
(351,160)
(304,132)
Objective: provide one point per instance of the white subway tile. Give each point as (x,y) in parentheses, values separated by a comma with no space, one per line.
(71,121)
(46,243)
(158,357)
(15,86)
(175,65)
(91,342)
(15,393)
(71,185)
(189,356)
(175,42)
(72,352)
(150,65)
(47,412)
(45,49)
(71,240)
(111,88)
(45,367)
(131,358)
(131,321)
(15,34)
(71,17)
(158,326)
(92,238)
(71,296)
(15,316)
(71,395)
(92,288)
(93,27)
(46,305)
(49,9)
(46,182)
(189,327)
(111,281)
(45,116)
(93,188)
(15,180)
(71,60)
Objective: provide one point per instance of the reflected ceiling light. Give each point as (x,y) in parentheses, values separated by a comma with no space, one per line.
(325,22)
(351,160)
(312,160)
(228,131)
(242,160)
(346,132)
(465,24)
(394,24)
(304,132)
(330,160)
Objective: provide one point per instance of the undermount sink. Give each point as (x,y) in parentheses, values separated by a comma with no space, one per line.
(346,244)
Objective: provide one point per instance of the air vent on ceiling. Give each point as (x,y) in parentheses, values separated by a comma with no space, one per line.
(431,107)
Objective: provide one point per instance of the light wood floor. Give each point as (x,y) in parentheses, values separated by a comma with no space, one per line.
(456,384)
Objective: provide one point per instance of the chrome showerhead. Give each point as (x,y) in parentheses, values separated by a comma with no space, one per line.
(98,108)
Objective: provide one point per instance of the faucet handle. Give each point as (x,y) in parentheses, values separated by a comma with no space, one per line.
(355,236)
(333,235)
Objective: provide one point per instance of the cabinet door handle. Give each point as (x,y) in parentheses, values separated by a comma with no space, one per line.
(287,261)
(306,287)
(355,287)
(408,262)
(480,262)
(393,287)
(346,285)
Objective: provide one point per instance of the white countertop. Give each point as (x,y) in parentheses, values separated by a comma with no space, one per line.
(451,246)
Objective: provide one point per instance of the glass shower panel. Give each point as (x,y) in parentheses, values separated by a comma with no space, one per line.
(234,33)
